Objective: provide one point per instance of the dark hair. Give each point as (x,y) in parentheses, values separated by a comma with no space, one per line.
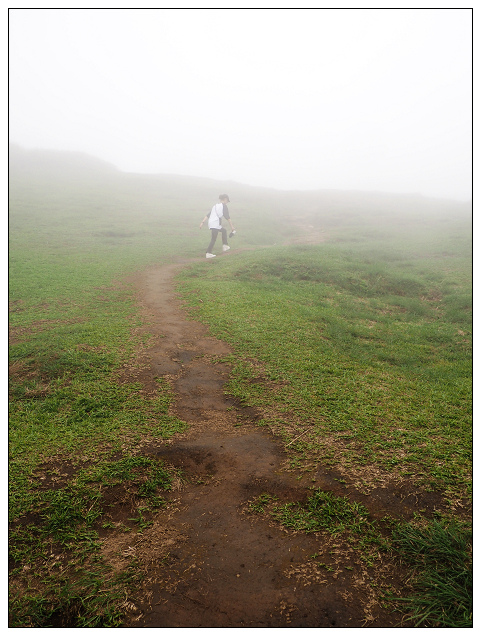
(224,196)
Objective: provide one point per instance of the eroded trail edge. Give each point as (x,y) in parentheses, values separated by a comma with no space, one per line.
(206,561)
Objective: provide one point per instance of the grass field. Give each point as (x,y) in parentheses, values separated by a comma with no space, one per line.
(356,350)
(372,339)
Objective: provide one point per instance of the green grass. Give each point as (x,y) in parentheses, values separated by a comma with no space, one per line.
(357,352)
(443,583)
(368,350)
(324,512)
(64,580)
(93,599)
(75,327)
(438,552)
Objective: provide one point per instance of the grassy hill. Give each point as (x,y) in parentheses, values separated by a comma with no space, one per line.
(356,349)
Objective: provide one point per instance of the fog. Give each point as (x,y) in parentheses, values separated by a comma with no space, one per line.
(345,99)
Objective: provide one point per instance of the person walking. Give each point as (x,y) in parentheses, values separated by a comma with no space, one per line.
(218,211)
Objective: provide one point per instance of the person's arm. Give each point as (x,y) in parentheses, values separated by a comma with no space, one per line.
(204,220)
(226,214)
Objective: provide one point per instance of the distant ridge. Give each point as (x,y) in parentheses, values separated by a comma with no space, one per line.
(43,163)
(52,166)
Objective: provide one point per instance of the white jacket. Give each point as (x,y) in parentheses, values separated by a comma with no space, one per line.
(215,216)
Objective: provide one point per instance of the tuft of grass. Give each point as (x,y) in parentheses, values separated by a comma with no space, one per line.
(259,504)
(443,578)
(325,512)
(145,476)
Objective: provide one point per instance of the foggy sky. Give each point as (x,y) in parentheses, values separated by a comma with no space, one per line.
(367,99)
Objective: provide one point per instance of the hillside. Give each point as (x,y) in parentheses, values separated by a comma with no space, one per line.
(278,436)
(38,164)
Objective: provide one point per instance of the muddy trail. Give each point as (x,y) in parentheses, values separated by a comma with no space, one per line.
(207,560)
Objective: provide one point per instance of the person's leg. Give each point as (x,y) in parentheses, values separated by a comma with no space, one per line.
(225,247)
(212,241)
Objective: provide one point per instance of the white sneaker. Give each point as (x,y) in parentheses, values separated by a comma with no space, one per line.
(209,255)
(225,248)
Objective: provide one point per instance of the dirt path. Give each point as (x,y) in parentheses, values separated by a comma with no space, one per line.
(209,562)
